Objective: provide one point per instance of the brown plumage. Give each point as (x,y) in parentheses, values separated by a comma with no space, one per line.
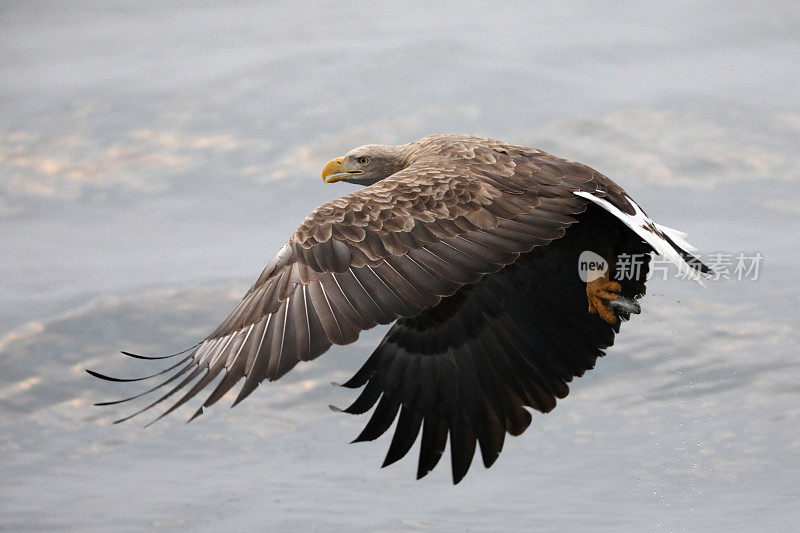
(470,246)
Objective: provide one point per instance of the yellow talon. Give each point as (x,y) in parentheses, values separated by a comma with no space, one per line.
(600,291)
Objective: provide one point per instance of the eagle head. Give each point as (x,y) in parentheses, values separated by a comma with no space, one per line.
(365,165)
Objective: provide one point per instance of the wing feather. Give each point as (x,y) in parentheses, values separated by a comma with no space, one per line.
(471,365)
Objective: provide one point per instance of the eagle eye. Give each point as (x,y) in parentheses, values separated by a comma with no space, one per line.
(363,160)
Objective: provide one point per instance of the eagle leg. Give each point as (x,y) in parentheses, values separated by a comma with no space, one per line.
(598,293)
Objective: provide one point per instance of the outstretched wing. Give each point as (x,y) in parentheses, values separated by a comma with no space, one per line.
(390,250)
(466,368)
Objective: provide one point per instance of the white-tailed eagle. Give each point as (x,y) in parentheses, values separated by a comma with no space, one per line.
(470,248)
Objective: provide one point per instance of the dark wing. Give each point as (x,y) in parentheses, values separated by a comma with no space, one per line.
(387,251)
(468,367)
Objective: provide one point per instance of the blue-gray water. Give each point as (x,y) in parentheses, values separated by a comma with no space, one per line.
(153,158)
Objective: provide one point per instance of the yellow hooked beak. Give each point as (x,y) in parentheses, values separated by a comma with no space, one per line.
(333,171)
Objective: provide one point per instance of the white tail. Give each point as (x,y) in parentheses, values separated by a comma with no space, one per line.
(654,235)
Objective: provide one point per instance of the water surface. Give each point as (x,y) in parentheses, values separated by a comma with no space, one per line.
(152,159)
